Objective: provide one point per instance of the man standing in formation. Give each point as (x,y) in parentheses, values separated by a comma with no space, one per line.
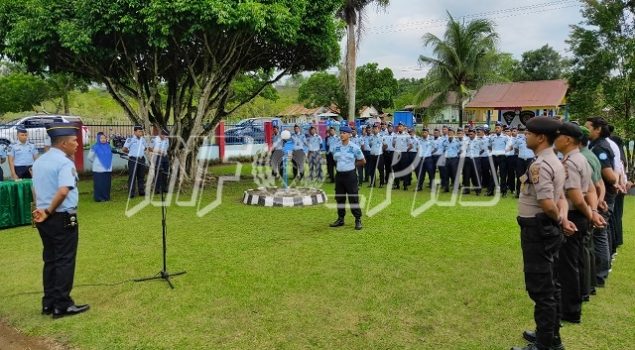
(160,146)
(22,155)
(56,196)
(347,155)
(375,157)
(135,147)
(314,143)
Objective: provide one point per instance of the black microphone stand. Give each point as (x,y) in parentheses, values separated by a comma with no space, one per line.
(163,274)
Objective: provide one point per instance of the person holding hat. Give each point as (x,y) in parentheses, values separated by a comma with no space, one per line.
(22,154)
(577,186)
(135,147)
(347,155)
(101,156)
(542,219)
(56,196)
(159,147)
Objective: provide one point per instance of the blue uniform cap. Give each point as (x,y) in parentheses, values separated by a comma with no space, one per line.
(20,129)
(346,129)
(165,131)
(137,127)
(400,123)
(61,129)
(499,124)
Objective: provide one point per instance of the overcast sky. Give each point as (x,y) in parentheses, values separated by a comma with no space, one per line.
(393,37)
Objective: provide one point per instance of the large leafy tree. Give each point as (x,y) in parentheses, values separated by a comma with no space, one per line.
(376,87)
(603,74)
(176,60)
(461,63)
(21,92)
(352,12)
(544,63)
(322,89)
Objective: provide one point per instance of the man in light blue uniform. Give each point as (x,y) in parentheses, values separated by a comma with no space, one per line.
(276,153)
(472,166)
(525,157)
(485,174)
(332,140)
(426,164)
(511,159)
(401,144)
(376,158)
(347,155)
(389,152)
(314,144)
(3,158)
(438,151)
(413,162)
(135,147)
(56,196)
(366,150)
(298,155)
(498,143)
(359,141)
(452,150)
(22,154)
(159,146)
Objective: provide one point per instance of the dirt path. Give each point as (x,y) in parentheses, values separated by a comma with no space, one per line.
(12,339)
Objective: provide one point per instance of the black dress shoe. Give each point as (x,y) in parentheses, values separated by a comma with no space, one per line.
(337,223)
(70,311)
(358,224)
(575,320)
(419,188)
(47,310)
(530,336)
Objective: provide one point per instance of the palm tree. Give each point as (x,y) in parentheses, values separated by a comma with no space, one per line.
(462,62)
(352,12)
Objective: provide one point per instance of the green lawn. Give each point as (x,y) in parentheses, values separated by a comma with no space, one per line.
(262,278)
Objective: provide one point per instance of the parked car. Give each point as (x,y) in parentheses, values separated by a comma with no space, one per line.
(36,128)
(250,130)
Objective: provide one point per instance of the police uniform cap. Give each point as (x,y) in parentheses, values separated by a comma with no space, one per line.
(137,127)
(165,131)
(570,129)
(346,129)
(499,124)
(61,129)
(543,125)
(478,128)
(436,129)
(450,129)
(400,123)
(20,129)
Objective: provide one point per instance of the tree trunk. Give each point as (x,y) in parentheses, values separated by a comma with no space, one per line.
(460,114)
(65,102)
(351,69)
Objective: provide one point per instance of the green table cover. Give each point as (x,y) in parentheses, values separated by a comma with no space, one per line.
(15,203)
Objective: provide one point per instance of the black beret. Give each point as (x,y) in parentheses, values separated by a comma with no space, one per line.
(137,127)
(61,129)
(570,129)
(543,125)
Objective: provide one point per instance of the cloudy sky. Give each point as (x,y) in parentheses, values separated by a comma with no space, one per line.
(393,36)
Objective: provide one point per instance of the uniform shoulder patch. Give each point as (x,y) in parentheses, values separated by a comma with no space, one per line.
(534,172)
(603,156)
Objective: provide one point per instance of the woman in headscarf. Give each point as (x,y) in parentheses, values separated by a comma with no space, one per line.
(101,156)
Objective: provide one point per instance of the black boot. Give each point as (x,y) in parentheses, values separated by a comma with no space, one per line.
(337,223)
(530,336)
(358,224)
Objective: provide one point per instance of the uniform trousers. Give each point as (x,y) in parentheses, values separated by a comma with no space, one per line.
(540,239)
(23,171)
(315,165)
(136,176)
(452,166)
(500,170)
(59,238)
(510,176)
(346,187)
(330,166)
(376,163)
(471,170)
(426,167)
(569,266)
(388,164)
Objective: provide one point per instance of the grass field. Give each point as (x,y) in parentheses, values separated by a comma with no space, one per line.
(261,278)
